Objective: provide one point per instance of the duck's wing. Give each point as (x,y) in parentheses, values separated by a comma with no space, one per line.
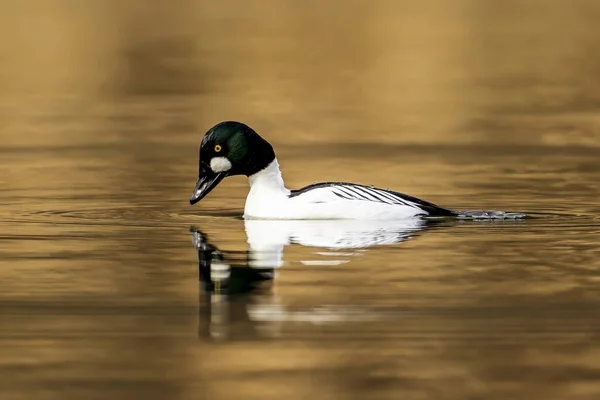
(328,191)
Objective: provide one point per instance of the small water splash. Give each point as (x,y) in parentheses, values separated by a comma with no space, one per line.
(489,214)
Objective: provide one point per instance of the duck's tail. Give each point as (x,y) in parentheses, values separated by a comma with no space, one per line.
(488,214)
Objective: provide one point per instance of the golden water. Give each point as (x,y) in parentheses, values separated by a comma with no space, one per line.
(469,104)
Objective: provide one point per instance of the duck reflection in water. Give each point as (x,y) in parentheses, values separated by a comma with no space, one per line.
(237,299)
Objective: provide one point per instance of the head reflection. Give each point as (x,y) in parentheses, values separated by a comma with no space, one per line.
(236,274)
(237,298)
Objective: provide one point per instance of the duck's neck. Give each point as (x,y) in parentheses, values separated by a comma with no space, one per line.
(268,180)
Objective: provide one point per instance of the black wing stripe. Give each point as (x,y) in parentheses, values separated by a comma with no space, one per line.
(373,193)
(360,194)
(387,196)
(363,193)
(351,194)
(343,196)
(348,195)
(379,195)
(397,199)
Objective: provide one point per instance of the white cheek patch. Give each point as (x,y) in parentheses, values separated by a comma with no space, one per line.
(220,164)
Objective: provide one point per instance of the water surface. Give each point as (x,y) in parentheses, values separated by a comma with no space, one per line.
(469,105)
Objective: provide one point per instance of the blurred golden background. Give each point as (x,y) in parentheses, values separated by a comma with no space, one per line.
(398,71)
(467,103)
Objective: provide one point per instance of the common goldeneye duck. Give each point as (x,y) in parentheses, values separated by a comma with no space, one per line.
(233,148)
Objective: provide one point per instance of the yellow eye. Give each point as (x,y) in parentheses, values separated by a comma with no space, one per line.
(218,148)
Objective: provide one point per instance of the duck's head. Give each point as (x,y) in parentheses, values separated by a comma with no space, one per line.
(229,148)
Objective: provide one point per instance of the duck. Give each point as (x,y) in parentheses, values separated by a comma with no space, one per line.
(233,148)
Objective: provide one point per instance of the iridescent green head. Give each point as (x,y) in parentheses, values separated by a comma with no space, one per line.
(229,148)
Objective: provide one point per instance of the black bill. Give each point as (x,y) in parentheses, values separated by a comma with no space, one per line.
(207,181)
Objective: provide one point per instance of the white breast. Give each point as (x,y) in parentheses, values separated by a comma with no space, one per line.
(268,196)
